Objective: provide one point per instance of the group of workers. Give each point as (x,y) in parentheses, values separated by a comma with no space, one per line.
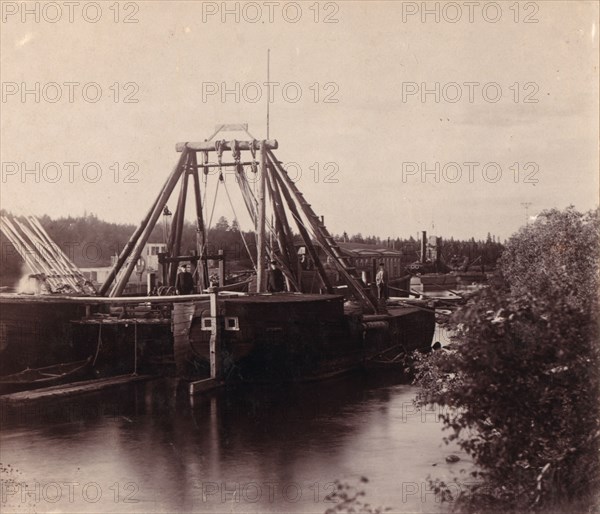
(184,283)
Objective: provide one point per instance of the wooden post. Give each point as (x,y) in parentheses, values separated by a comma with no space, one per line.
(200,228)
(304,233)
(260,259)
(179,222)
(286,245)
(216,378)
(149,226)
(135,345)
(221,269)
(215,346)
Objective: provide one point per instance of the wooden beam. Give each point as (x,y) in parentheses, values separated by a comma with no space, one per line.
(287,231)
(209,146)
(103,300)
(200,228)
(279,231)
(223,164)
(126,251)
(326,241)
(151,222)
(304,233)
(179,223)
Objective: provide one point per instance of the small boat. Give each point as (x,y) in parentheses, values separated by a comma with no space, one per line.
(42,377)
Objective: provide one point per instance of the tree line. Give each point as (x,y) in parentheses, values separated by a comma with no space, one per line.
(91,242)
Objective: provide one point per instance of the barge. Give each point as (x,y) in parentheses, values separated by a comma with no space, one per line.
(221,335)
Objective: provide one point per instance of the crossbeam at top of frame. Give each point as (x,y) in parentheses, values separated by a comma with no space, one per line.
(210,146)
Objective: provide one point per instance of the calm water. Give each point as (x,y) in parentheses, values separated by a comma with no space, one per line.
(144,448)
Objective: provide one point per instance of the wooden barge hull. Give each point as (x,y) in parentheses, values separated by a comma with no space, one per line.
(291,337)
(263,337)
(40,331)
(34,334)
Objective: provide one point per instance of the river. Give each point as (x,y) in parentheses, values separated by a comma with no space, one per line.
(147,448)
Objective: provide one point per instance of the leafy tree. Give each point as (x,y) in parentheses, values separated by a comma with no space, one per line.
(222,224)
(525,372)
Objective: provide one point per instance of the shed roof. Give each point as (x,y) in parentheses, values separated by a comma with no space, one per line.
(368,250)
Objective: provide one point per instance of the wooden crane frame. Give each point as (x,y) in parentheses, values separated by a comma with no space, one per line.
(287,203)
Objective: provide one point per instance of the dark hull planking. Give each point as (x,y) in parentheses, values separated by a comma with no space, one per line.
(286,337)
(37,334)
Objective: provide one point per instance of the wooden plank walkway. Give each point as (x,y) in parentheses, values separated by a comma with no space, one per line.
(73,389)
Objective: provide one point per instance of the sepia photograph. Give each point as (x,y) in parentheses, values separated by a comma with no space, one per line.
(316,257)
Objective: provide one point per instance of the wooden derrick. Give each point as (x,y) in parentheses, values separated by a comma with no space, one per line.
(275,189)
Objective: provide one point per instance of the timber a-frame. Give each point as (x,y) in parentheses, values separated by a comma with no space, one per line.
(275,188)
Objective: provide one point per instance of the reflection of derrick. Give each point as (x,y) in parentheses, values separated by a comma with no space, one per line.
(48,264)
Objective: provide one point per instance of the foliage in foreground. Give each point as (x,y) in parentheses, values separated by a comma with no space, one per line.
(523,374)
(349,499)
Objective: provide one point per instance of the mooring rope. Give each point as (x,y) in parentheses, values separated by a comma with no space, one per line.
(99,343)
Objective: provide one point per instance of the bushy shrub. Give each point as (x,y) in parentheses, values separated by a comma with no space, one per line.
(524,374)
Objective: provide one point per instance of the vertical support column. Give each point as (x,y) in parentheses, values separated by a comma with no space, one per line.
(260,259)
(221,268)
(216,378)
(200,228)
(215,346)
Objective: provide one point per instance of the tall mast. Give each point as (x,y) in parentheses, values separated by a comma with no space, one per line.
(260,257)
(268,87)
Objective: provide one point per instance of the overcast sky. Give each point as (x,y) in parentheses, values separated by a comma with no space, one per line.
(512,87)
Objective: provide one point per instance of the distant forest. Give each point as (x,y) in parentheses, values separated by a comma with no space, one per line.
(90,242)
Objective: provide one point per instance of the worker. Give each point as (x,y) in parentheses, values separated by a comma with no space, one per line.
(381,279)
(275,280)
(185,281)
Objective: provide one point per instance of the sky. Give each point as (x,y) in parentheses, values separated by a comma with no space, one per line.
(393,117)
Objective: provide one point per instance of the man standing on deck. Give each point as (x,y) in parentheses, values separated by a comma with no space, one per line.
(275,280)
(185,281)
(381,279)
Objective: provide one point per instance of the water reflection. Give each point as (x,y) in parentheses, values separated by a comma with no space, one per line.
(145,448)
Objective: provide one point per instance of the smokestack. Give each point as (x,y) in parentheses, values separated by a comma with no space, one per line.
(423,246)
